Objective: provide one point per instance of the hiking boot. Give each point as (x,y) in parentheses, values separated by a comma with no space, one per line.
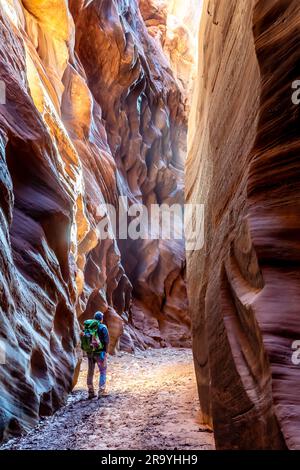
(102,392)
(91,394)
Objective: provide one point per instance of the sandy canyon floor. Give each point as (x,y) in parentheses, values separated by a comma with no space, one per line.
(152,404)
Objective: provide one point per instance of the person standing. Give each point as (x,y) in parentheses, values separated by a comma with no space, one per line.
(95,341)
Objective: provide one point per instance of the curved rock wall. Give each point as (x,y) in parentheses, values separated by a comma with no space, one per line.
(92,112)
(242,164)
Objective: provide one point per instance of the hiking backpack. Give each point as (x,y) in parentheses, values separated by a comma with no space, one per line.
(90,341)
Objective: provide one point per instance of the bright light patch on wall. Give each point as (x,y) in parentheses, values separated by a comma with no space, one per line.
(11,8)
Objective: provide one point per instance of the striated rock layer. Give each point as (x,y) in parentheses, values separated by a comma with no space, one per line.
(243,165)
(92,113)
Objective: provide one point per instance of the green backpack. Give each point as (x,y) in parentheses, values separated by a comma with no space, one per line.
(90,341)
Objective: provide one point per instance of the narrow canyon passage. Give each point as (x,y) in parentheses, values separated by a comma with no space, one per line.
(112,114)
(152,404)
(99,130)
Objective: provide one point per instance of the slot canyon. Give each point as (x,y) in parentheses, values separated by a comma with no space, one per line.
(152,102)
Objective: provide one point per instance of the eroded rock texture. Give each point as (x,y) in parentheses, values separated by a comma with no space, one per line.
(175,24)
(92,112)
(243,165)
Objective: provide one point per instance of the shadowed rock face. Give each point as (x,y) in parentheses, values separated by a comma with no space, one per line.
(92,112)
(243,165)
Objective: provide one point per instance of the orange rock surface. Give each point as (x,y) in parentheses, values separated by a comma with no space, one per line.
(92,112)
(243,165)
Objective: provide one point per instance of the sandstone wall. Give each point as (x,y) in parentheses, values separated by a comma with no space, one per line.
(92,112)
(243,165)
(175,24)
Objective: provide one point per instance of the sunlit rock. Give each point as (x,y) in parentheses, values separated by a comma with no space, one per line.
(93,112)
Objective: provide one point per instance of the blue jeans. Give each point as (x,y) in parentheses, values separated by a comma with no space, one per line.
(101,362)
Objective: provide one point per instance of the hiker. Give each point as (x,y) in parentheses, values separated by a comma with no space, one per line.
(94,341)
